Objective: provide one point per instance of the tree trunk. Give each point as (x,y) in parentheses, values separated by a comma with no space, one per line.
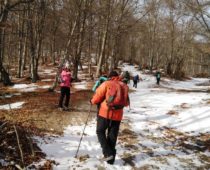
(34,77)
(53,50)
(103,41)
(80,39)
(3,18)
(5,76)
(21,46)
(24,57)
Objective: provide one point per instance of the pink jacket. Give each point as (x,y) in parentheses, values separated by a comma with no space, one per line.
(65,78)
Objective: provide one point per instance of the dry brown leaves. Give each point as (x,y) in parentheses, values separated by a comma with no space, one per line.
(11,151)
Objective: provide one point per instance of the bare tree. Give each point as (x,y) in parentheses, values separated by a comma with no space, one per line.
(5,7)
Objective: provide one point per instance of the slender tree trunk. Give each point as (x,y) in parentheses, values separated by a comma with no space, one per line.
(21,46)
(103,41)
(53,50)
(80,40)
(32,50)
(24,57)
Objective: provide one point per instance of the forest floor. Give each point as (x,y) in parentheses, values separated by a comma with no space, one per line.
(39,115)
(29,114)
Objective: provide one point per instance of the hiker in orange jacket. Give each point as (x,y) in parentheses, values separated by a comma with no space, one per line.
(109,116)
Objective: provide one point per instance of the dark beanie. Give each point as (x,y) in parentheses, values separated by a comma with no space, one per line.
(113,74)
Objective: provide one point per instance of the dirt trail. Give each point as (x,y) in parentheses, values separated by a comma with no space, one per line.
(40,110)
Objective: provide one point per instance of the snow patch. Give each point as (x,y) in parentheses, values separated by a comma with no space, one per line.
(16,105)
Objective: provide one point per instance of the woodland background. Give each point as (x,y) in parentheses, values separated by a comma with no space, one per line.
(172,35)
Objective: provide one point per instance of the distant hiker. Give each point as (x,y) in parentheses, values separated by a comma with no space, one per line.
(158,76)
(99,82)
(135,80)
(113,96)
(127,76)
(65,83)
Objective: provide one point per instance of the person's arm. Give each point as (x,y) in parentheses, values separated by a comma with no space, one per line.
(127,98)
(70,80)
(95,86)
(99,95)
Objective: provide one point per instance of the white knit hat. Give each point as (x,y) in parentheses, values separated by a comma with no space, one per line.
(67,65)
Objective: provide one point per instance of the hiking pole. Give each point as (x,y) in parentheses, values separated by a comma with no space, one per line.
(83,132)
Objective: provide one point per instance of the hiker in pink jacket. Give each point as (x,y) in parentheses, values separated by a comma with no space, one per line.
(65,78)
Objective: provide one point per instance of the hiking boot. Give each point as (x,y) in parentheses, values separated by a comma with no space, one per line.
(108,158)
(65,108)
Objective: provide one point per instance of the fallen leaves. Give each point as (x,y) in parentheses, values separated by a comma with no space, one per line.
(172,112)
(17,143)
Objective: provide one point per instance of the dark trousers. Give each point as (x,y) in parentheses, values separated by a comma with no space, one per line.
(135,83)
(107,133)
(65,92)
(158,81)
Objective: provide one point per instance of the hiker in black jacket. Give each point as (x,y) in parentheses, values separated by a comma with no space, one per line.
(135,80)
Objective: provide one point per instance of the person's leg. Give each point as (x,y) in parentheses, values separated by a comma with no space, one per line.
(102,125)
(135,84)
(158,80)
(112,138)
(61,97)
(67,92)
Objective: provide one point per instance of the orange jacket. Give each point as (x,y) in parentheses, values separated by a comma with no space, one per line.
(101,96)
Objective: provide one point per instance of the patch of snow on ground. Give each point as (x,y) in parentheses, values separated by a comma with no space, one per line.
(188,84)
(25,87)
(148,118)
(80,85)
(47,71)
(29,87)
(3,163)
(9,95)
(44,87)
(16,105)
(155,105)
(47,80)
(63,149)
